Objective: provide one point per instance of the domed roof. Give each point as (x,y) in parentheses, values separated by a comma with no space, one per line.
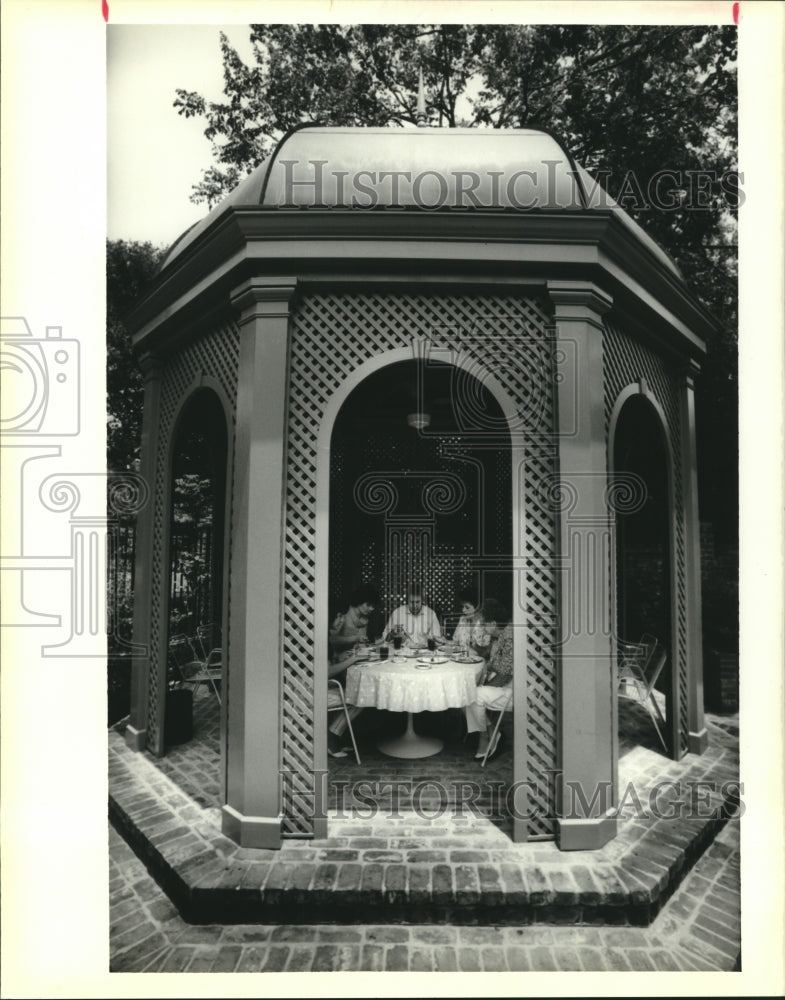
(316,168)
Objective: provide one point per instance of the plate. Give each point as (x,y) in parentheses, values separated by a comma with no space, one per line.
(468,659)
(431,660)
(422,666)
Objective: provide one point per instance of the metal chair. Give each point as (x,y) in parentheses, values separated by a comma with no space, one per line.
(207,643)
(494,734)
(535,695)
(640,665)
(341,706)
(633,658)
(193,669)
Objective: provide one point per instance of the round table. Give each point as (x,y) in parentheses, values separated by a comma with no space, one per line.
(401,685)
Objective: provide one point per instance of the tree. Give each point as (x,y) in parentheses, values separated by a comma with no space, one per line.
(130,267)
(628,101)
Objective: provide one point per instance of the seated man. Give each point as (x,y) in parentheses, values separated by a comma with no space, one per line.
(495,690)
(352,627)
(416,620)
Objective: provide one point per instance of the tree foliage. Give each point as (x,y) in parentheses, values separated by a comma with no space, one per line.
(628,101)
(130,267)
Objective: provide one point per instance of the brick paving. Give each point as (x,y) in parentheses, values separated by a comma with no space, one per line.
(698,930)
(411,893)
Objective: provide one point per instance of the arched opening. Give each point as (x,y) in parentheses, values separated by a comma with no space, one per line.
(425,500)
(431,503)
(644,594)
(196,563)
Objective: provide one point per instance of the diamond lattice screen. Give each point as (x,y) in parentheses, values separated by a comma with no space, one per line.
(626,361)
(217,355)
(332,334)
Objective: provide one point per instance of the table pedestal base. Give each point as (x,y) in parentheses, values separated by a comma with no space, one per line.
(410,745)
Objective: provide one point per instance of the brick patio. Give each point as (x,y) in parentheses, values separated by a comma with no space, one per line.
(456,874)
(698,930)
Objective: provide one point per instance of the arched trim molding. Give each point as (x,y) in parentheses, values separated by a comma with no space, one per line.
(322,538)
(200,381)
(642,389)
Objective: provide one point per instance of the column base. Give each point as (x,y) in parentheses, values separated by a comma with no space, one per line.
(136,739)
(585,834)
(698,742)
(251,831)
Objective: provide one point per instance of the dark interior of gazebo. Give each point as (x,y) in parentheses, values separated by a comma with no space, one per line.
(418,492)
(643,534)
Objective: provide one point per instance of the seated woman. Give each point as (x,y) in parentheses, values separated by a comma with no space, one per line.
(495,690)
(351,627)
(345,632)
(471,630)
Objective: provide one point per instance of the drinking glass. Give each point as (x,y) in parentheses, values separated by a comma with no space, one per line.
(384,651)
(431,644)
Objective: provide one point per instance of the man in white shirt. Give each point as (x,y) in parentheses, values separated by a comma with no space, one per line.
(416,619)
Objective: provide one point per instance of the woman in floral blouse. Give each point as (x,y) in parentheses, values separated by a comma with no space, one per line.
(471,630)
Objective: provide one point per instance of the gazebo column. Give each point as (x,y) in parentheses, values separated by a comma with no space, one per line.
(585,792)
(136,730)
(698,738)
(252,813)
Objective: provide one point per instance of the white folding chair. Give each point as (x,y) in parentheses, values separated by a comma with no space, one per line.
(341,706)
(507,707)
(638,673)
(535,695)
(191,668)
(632,659)
(207,643)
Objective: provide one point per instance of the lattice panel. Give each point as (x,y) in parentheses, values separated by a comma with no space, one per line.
(626,361)
(332,335)
(216,354)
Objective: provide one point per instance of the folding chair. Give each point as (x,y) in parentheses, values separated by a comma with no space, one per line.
(207,643)
(191,668)
(341,706)
(507,707)
(535,696)
(640,665)
(632,658)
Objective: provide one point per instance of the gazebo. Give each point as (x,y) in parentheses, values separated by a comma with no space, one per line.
(441,354)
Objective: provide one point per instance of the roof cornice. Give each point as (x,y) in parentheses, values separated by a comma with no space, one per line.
(475,245)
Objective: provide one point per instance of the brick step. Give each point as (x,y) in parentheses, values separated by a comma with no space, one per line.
(310,882)
(456,869)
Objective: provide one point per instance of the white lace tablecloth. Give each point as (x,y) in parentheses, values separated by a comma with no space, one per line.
(401,687)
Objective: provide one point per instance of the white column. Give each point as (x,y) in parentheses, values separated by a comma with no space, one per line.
(252,813)
(136,730)
(586,674)
(698,738)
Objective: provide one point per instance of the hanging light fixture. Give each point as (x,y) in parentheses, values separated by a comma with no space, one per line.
(418,420)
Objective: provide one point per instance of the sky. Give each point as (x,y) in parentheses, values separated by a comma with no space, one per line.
(155,155)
